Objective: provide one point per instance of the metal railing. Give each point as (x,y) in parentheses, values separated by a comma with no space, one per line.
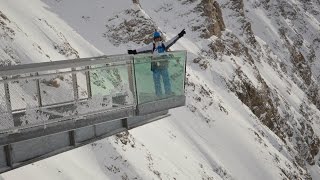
(42,93)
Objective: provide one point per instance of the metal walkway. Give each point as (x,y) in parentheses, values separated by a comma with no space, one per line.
(51,107)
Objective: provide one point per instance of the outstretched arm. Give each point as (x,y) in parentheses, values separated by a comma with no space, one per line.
(145,49)
(169,43)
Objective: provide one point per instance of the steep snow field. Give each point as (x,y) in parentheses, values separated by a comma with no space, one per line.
(41,35)
(215,136)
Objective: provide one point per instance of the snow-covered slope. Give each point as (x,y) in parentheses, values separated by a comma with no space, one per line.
(252,85)
(31,33)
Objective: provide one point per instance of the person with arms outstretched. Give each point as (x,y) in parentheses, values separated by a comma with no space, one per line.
(160,68)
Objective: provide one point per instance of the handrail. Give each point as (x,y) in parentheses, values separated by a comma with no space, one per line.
(47,66)
(65,64)
(8,79)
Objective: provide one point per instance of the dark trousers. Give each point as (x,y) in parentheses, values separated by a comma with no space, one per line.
(163,73)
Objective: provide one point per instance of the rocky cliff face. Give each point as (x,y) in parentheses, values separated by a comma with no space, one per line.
(288,46)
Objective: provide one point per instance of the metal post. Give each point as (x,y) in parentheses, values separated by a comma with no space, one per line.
(39,96)
(125,123)
(95,130)
(8,153)
(7,97)
(75,85)
(185,71)
(135,96)
(131,80)
(38,91)
(72,138)
(88,82)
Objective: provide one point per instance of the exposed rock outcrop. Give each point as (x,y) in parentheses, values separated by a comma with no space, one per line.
(138,29)
(214,23)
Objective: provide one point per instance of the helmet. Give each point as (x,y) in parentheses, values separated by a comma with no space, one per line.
(156,34)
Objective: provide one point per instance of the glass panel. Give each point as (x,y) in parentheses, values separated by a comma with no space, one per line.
(56,89)
(57,97)
(177,72)
(109,88)
(23,93)
(159,77)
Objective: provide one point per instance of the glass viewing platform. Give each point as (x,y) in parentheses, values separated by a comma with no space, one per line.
(108,94)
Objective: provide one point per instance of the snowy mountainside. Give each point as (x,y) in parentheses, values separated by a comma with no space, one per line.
(286,32)
(252,86)
(37,35)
